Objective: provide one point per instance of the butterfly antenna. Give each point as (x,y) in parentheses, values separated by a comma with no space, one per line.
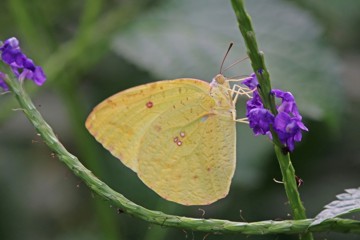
(236,62)
(227,52)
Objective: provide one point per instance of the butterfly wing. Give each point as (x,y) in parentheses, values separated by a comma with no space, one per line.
(190,159)
(169,134)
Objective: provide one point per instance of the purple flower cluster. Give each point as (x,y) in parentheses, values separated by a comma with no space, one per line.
(22,66)
(287,123)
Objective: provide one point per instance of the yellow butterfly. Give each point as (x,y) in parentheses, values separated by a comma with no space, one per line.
(178,135)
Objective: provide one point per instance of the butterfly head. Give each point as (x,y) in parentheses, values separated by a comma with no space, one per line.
(220,79)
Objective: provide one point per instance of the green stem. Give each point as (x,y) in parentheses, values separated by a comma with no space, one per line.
(288,173)
(259,67)
(256,57)
(156,217)
(89,152)
(66,86)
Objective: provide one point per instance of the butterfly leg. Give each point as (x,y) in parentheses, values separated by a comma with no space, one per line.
(235,91)
(242,91)
(239,90)
(242,120)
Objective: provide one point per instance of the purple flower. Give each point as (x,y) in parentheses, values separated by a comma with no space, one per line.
(287,123)
(22,66)
(288,129)
(288,104)
(11,53)
(254,102)
(260,120)
(251,81)
(37,75)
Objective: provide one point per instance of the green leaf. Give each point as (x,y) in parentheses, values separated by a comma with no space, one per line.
(348,202)
(189,38)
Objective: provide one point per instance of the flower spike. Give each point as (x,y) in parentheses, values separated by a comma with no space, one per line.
(287,123)
(22,66)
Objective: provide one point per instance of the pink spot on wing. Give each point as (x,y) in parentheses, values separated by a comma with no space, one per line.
(149,104)
(177,141)
(182,134)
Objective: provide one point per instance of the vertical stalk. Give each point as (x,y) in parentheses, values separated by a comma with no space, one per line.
(258,65)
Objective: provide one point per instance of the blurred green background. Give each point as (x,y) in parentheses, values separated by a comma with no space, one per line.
(92,49)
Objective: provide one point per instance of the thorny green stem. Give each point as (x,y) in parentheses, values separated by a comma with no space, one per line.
(264,89)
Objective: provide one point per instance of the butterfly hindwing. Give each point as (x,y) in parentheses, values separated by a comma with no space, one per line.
(189,160)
